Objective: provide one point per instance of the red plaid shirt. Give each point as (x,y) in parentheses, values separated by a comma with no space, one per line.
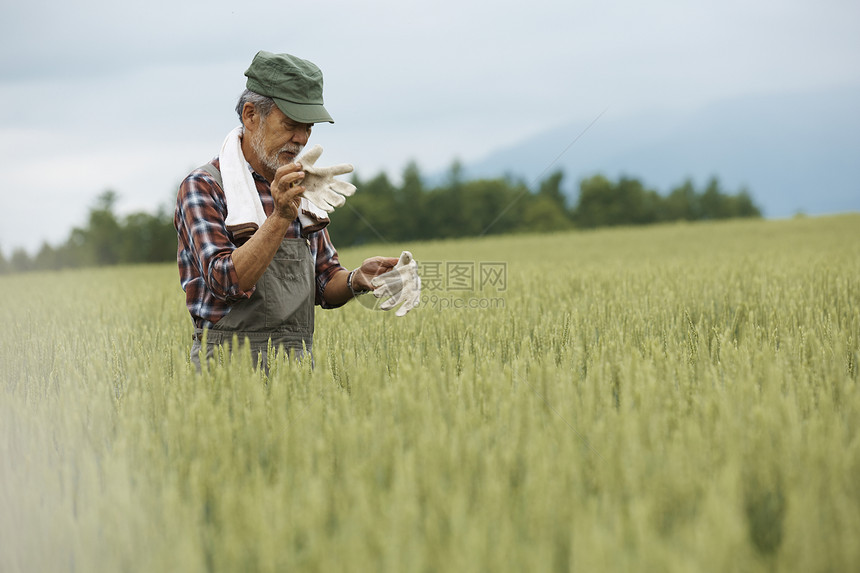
(205,247)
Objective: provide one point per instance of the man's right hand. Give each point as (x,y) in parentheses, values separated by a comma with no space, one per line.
(286,190)
(252,259)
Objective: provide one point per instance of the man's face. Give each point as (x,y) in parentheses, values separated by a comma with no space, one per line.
(278,140)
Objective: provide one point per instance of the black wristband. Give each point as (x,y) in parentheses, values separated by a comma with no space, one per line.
(349,284)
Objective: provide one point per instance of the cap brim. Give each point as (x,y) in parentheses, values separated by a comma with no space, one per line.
(303,112)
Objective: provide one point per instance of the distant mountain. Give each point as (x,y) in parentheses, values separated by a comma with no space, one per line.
(793,152)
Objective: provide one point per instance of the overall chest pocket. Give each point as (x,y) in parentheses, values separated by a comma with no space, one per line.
(288,288)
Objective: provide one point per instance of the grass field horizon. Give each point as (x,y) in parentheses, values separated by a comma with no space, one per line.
(671,398)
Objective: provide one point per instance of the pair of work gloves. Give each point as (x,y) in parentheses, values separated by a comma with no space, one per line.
(321,188)
(401,285)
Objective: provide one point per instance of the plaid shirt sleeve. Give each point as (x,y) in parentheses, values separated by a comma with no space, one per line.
(205,248)
(327,265)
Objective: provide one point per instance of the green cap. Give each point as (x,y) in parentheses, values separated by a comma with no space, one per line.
(295,84)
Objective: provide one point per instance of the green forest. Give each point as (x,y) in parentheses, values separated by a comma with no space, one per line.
(382,211)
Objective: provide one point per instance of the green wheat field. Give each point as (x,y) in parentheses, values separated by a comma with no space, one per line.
(673,398)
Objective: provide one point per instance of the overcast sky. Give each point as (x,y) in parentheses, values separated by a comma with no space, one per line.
(130,96)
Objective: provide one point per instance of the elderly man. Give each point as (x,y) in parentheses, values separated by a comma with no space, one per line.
(254,255)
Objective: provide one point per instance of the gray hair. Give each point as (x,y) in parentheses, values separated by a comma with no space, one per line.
(262,104)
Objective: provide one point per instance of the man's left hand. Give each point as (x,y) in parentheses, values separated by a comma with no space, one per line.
(370,268)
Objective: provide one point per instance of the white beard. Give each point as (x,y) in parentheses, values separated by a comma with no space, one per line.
(271,160)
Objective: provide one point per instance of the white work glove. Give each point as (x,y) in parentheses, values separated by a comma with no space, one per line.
(401,283)
(321,188)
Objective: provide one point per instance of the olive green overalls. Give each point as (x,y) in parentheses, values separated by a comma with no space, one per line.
(280,310)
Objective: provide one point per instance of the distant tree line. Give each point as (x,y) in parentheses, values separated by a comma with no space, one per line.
(106,239)
(382,211)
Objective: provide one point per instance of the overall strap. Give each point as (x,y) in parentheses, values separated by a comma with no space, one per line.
(214,172)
